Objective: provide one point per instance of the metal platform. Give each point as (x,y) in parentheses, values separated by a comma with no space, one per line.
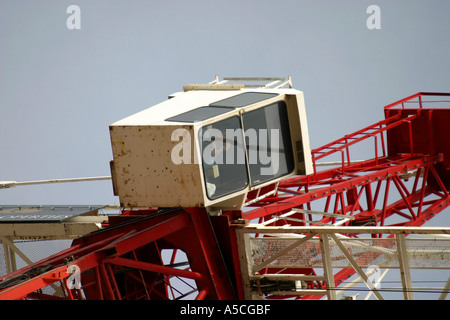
(39,224)
(36,213)
(49,222)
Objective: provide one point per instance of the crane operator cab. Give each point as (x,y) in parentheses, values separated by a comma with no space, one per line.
(210,146)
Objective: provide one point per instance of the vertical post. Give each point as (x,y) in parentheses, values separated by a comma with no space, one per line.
(12,256)
(7,257)
(445,290)
(376,149)
(422,191)
(411,143)
(431,138)
(327,268)
(404,267)
(105,280)
(382,141)
(314,163)
(246,262)
(369,199)
(98,282)
(347,151)
(386,195)
(110,272)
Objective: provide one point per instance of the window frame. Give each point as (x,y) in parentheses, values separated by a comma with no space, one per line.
(240,115)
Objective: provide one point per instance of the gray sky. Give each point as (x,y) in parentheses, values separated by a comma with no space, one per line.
(61,88)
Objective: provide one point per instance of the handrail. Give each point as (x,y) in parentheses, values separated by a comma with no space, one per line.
(418,95)
(342,145)
(376,130)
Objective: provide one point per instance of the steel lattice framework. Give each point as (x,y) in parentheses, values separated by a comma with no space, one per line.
(404,185)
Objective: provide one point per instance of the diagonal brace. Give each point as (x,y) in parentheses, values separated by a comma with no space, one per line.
(357,268)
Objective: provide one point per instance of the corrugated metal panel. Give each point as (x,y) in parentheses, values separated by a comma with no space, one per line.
(47,213)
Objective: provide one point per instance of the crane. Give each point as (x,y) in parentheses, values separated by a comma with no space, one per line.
(210,230)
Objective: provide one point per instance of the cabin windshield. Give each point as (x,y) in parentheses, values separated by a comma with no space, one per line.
(223,157)
(251,149)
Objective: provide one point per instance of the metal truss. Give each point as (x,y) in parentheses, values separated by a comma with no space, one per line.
(371,194)
(401,189)
(275,250)
(124,261)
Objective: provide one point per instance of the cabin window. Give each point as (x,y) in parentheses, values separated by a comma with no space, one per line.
(247,150)
(268,143)
(243,99)
(199,114)
(223,157)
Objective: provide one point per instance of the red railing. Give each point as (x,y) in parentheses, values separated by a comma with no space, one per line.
(342,145)
(420,101)
(377,130)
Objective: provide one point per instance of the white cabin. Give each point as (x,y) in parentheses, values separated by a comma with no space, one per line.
(209,146)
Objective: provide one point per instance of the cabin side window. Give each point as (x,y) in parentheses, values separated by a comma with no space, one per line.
(248,150)
(268,143)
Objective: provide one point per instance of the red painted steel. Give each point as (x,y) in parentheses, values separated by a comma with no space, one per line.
(406,183)
(123,260)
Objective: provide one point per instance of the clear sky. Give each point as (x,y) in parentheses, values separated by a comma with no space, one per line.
(60,88)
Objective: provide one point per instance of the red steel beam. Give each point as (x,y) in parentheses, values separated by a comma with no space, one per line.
(154,268)
(297,200)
